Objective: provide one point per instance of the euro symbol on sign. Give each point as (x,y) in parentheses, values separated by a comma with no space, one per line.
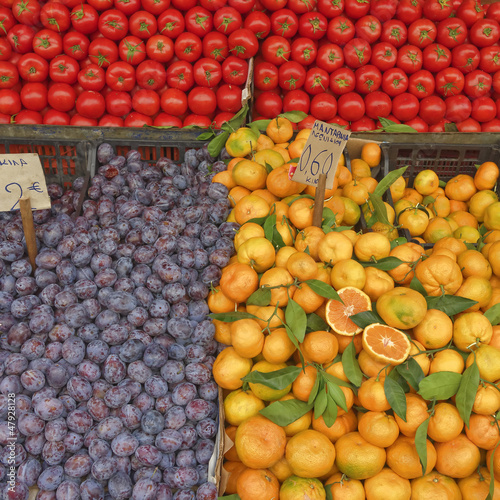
(35,187)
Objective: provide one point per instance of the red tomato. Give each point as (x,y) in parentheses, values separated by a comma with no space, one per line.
(207,72)
(496,82)
(301,6)
(330,57)
(156,7)
(160,48)
(61,97)
(317,81)
(484,109)
(378,104)
(307,122)
(436,57)
(235,70)
(268,104)
(166,120)
(405,106)
(394,82)
(470,11)
(64,69)
(151,75)
(203,101)
(90,104)
(340,30)
(437,10)
(284,22)
(84,19)
(128,7)
(142,24)
(449,81)
(451,32)
(409,11)
(477,84)
(394,32)
(469,125)
(171,23)
(215,45)
(197,120)
(458,108)
(118,103)
(276,50)
(466,58)
(9,76)
(5,49)
(493,12)
(265,76)
(421,84)
(76,45)
(484,33)
(409,59)
(243,43)
(296,100)
(356,8)
(365,124)
(351,106)
(418,124)
(323,106)
(34,96)
(92,77)
(26,11)
(342,81)
(54,117)
(7,20)
(132,50)
(33,68)
(304,51)
(368,28)
(228,98)
(291,75)
(422,33)
(368,79)
(198,21)
(120,76)
(259,23)
(101,4)
(493,126)
(383,10)
(384,56)
(489,59)
(227,20)
(432,109)
(357,53)
(48,44)
(439,127)
(27,117)
(339,121)
(20,38)
(136,119)
(174,101)
(188,47)
(111,121)
(213,5)
(146,101)
(55,16)
(220,119)
(273,5)
(113,24)
(331,8)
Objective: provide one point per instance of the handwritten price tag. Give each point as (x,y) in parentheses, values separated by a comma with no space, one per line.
(22,174)
(321,154)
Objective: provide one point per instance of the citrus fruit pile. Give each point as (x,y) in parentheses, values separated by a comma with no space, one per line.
(354,365)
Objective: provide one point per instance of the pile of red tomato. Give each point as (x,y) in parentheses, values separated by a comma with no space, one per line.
(121,62)
(420,62)
(185,62)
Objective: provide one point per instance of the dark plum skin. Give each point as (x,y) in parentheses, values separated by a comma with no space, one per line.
(107,343)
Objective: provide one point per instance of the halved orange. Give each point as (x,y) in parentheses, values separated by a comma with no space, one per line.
(338,313)
(386,344)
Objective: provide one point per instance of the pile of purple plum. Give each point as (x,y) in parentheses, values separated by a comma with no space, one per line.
(106,350)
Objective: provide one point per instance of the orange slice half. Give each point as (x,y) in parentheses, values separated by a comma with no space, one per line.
(338,314)
(386,344)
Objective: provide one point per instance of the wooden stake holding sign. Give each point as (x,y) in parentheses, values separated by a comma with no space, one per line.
(318,162)
(23,187)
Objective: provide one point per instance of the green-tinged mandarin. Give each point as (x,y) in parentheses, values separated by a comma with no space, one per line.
(262,391)
(488,361)
(402,308)
(241,143)
(298,488)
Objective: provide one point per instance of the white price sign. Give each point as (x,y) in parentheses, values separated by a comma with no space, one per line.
(22,174)
(321,154)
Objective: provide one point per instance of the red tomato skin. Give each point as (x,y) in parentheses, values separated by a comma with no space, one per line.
(405,106)
(470,11)
(342,81)
(135,119)
(291,75)
(303,51)
(174,102)
(330,57)
(422,33)
(436,57)
(378,104)
(28,117)
(394,82)
(351,106)
(470,125)
(34,96)
(20,37)
(229,98)
(156,7)
(452,32)
(323,106)
(384,56)
(285,23)
(296,100)
(409,59)
(243,43)
(421,84)
(365,124)
(483,109)
(166,120)
(317,81)
(202,100)
(490,59)
(369,28)
(484,33)
(383,10)
(151,75)
(394,32)
(355,9)
(466,58)
(331,8)
(458,108)
(432,109)
(357,53)
(449,81)
(171,23)
(84,19)
(368,79)
(268,104)
(228,19)
(437,10)
(54,117)
(418,124)
(477,84)
(111,121)
(61,97)
(259,23)
(408,11)
(235,70)
(118,103)
(199,21)
(492,126)
(340,30)
(90,104)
